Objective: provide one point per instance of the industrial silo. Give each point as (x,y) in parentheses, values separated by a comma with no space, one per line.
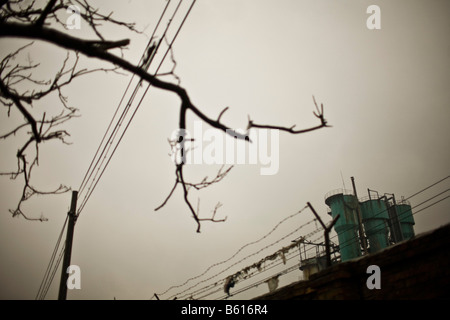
(345,204)
(406,219)
(375,218)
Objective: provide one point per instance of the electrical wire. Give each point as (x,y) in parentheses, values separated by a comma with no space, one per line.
(134,113)
(45,284)
(48,276)
(88,172)
(114,132)
(55,268)
(40,294)
(432,185)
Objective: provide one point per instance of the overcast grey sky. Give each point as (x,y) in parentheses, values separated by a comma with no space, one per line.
(385,94)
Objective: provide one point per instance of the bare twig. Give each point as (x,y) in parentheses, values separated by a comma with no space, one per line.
(319,114)
(40,21)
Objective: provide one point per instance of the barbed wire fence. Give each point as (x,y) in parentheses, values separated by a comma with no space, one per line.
(226,284)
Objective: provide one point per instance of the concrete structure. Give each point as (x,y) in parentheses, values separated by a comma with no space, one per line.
(312,266)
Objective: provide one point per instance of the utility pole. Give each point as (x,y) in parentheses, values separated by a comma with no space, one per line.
(358,210)
(68,249)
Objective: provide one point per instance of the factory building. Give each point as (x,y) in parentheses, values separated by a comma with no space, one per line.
(365,225)
(369,224)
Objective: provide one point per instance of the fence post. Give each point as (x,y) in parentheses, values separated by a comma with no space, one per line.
(327,230)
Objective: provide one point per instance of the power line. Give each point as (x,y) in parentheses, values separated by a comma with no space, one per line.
(432,185)
(46,287)
(48,276)
(61,254)
(40,294)
(108,144)
(134,113)
(88,175)
(434,203)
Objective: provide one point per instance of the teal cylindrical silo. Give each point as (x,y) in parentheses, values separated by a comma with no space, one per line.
(346,226)
(406,220)
(375,218)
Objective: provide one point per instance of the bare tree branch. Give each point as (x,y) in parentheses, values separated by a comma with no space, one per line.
(86,47)
(319,114)
(40,21)
(41,130)
(7,94)
(31,22)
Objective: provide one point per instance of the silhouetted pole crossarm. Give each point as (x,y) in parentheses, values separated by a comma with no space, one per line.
(326,233)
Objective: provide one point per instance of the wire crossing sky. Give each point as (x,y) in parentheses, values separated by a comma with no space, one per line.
(109,143)
(382,80)
(217,286)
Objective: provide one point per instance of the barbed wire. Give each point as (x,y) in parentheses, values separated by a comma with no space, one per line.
(310,234)
(236,253)
(207,290)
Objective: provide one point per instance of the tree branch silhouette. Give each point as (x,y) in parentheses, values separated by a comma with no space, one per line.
(40,24)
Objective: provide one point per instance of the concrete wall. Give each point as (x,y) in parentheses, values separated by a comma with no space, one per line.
(418,268)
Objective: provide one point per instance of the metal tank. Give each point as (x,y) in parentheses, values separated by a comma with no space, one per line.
(375,218)
(406,219)
(344,203)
